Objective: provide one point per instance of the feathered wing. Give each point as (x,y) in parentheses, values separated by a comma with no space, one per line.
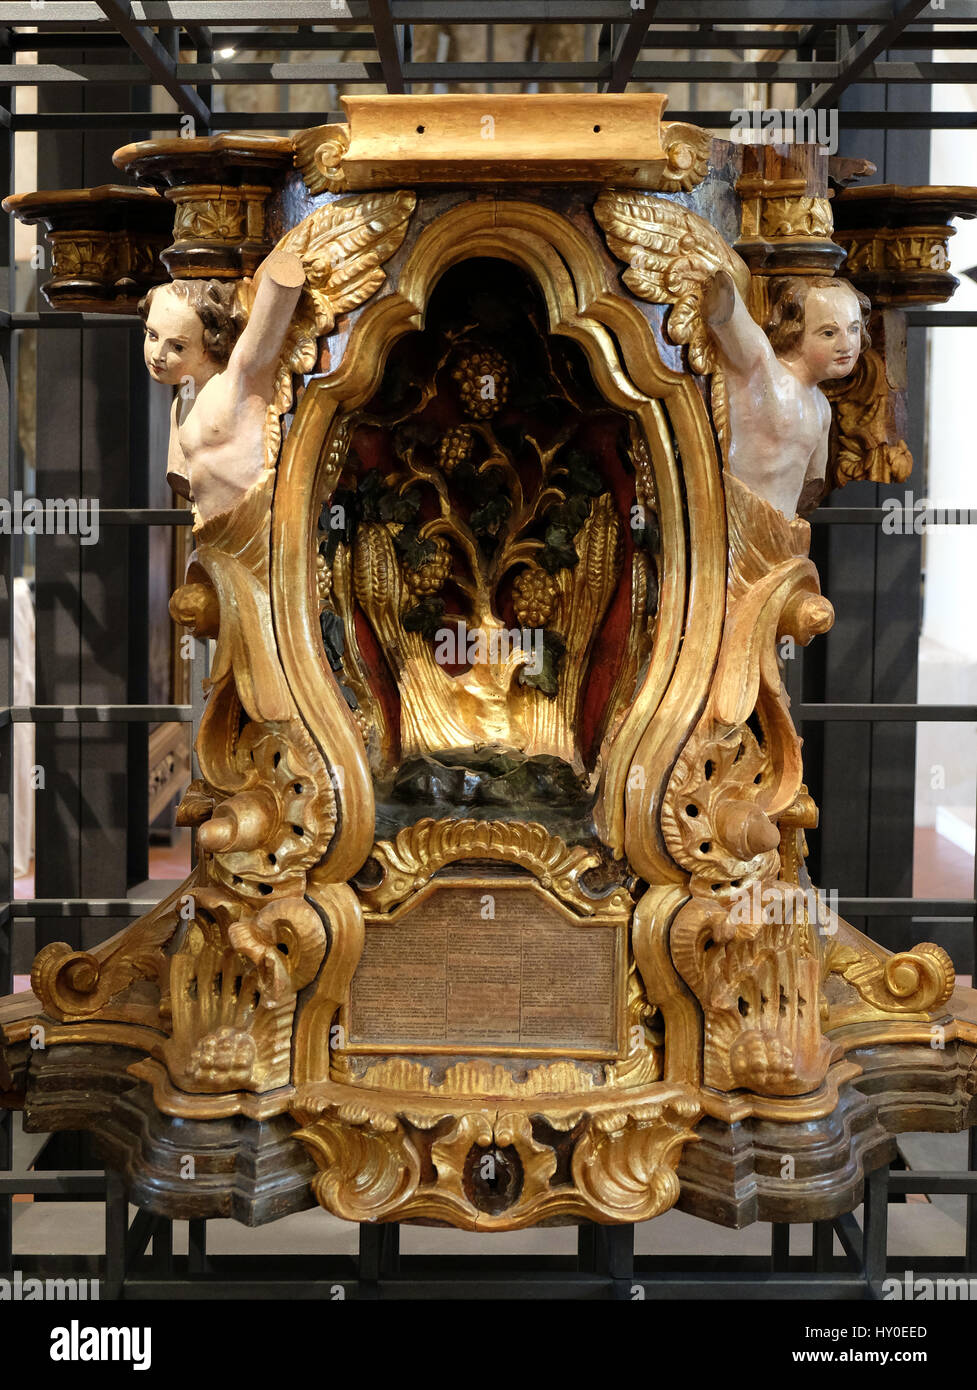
(343,247)
(670,253)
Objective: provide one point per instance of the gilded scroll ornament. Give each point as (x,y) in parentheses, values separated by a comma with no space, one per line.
(420,850)
(496,1171)
(917,981)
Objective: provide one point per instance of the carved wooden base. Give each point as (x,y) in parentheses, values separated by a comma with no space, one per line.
(765,1170)
(237,1167)
(917,1086)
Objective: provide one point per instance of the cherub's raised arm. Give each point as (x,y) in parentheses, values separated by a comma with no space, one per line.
(742,343)
(279,280)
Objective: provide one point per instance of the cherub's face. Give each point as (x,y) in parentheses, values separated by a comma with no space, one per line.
(174,343)
(832,336)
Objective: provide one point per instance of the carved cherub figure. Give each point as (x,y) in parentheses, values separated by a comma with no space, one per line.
(237,347)
(779,420)
(228,370)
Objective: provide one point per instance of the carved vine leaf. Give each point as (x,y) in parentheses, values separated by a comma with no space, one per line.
(671,253)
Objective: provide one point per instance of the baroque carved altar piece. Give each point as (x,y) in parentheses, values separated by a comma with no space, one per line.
(500,915)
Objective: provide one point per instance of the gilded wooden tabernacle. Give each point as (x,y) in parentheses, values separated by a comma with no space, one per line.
(501,913)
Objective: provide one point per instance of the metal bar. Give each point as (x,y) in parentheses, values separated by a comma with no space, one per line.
(140,1234)
(150,516)
(99,714)
(524,70)
(859,58)
(915,714)
(56,1184)
(311,39)
(628,47)
(779,1247)
(9,471)
(80,907)
(950,909)
(900,518)
(298,120)
(163,1246)
(55,318)
(941,318)
(849,1233)
(147,47)
(389,44)
(970,1255)
(55,14)
(197,1246)
(670,11)
(875,1240)
(99,120)
(116,1232)
(822,1244)
(933,1183)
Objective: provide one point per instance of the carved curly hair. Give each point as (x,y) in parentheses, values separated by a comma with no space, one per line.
(215,303)
(788,295)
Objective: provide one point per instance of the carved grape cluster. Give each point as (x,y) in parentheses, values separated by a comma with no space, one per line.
(534,597)
(428,578)
(455,448)
(226,1056)
(483,382)
(323,578)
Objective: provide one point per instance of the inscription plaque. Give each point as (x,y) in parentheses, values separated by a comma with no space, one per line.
(443,975)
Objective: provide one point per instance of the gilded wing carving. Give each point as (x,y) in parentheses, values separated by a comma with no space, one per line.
(671,253)
(342,247)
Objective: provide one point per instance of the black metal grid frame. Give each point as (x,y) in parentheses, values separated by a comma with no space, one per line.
(839,45)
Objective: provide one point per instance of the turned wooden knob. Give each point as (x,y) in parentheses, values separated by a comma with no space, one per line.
(197,607)
(746,830)
(242,822)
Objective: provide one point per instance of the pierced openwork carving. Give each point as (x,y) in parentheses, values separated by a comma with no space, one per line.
(497,1173)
